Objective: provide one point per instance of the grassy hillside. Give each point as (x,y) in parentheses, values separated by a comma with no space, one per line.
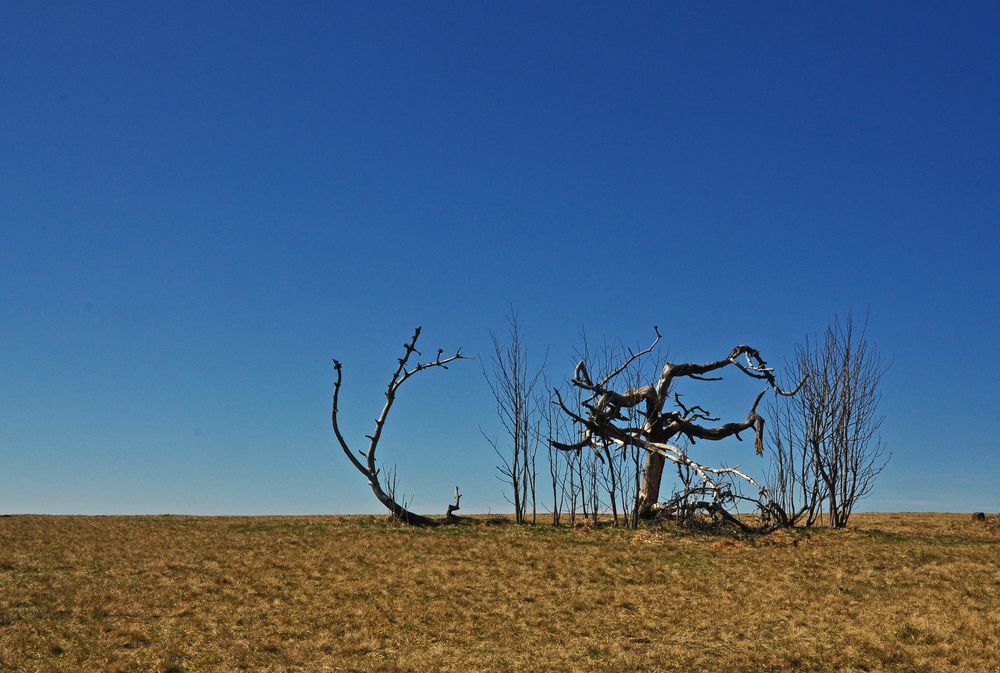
(905,592)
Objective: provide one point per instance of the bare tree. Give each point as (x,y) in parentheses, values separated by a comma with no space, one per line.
(369,468)
(845,372)
(513,381)
(825,444)
(600,413)
(557,428)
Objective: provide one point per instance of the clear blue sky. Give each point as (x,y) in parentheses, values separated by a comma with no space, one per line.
(202,204)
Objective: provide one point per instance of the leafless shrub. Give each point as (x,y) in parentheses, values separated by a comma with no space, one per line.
(826,443)
(513,380)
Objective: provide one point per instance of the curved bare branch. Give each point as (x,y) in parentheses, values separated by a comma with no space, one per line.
(370,469)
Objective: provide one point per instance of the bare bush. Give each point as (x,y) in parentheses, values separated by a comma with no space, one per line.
(826,445)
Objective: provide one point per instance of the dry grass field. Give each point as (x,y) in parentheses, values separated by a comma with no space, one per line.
(901,592)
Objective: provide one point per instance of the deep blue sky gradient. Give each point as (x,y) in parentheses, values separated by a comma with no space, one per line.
(201,204)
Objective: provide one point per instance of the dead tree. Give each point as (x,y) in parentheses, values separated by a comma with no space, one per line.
(513,382)
(365,461)
(603,415)
(842,396)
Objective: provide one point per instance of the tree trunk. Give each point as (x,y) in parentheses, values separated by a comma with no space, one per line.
(650,494)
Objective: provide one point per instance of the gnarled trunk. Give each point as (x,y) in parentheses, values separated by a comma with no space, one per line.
(603,416)
(652,474)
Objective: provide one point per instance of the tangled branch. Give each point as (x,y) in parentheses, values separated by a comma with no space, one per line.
(602,421)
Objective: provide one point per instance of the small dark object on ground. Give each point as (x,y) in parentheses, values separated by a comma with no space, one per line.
(979,516)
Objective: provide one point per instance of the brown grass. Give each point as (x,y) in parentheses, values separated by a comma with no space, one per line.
(171,594)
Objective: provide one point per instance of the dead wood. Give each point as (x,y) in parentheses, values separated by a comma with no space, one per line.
(600,414)
(365,461)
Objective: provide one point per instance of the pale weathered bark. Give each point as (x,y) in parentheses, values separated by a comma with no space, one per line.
(369,468)
(652,475)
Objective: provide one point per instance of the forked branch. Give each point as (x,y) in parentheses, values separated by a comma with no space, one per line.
(366,462)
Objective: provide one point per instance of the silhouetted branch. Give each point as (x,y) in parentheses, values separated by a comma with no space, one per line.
(369,469)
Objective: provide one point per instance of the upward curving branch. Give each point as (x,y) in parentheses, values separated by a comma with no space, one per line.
(365,462)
